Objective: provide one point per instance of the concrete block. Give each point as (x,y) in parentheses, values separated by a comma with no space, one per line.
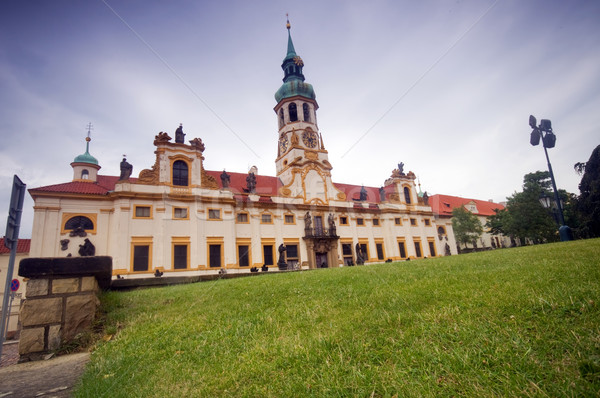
(80,313)
(89,284)
(54,337)
(31,340)
(65,285)
(37,287)
(41,311)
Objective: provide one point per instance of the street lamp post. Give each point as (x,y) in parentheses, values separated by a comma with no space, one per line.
(544,132)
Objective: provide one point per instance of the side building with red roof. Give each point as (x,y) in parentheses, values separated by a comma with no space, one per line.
(176,217)
(21,253)
(442,206)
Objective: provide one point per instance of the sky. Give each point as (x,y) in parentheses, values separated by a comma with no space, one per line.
(446,87)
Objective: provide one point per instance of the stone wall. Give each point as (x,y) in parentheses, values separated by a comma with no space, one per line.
(61,301)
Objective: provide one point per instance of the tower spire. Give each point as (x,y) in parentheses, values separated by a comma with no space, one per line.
(291,51)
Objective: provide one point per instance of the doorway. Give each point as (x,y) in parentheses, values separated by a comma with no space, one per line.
(321,259)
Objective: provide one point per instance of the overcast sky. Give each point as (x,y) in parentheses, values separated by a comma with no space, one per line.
(444,86)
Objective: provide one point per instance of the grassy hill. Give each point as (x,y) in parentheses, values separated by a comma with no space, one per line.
(512,322)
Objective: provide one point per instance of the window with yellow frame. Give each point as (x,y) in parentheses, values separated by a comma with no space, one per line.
(76,221)
(142,211)
(214,214)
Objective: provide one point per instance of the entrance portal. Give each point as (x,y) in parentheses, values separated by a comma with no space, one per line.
(321,259)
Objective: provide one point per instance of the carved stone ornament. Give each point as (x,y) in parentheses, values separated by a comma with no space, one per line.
(341,196)
(295,140)
(285,191)
(310,155)
(208,182)
(197,144)
(161,137)
(150,176)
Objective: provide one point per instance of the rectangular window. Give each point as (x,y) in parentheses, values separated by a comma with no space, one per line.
(402,248)
(413,222)
(289,219)
(214,255)
(291,254)
(243,255)
(427,222)
(266,218)
(180,212)
(432,248)
(347,253)
(365,251)
(343,220)
(180,257)
(242,218)
(143,211)
(360,221)
(141,258)
(398,221)
(268,254)
(418,249)
(380,255)
(214,214)
(376,222)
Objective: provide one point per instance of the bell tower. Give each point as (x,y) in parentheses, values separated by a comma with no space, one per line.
(302,162)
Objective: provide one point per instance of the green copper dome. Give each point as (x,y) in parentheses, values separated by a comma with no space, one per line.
(293,80)
(293,88)
(86,157)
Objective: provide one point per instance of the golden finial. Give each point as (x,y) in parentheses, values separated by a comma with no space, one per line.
(287,25)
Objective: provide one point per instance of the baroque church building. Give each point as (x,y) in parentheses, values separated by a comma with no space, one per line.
(177,217)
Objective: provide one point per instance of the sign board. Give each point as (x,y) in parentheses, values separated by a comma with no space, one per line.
(14,213)
(14,285)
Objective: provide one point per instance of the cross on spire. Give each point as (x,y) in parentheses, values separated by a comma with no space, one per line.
(90,127)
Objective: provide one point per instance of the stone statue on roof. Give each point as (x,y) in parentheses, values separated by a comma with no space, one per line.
(179,135)
(251,182)
(126,170)
(363,194)
(225,179)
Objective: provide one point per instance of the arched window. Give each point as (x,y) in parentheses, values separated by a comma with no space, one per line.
(306,111)
(79,222)
(85,174)
(293,112)
(281,119)
(180,173)
(407,195)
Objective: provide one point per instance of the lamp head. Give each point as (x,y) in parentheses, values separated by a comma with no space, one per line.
(546,125)
(532,121)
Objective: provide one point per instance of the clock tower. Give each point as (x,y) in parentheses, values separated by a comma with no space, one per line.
(302,162)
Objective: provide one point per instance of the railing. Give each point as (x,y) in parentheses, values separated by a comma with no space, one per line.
(320,232)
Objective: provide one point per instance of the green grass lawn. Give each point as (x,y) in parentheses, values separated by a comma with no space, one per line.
(511,322)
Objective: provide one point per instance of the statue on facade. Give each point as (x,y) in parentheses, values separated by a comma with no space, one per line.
(64,244)
(331,220)
(363,194)
(401,168)
(126,170)
(381,194)
(179,135)
(87,249)
(281,263)
(225,179)
(360,260)
(426,199)
(251,182)
(307,221)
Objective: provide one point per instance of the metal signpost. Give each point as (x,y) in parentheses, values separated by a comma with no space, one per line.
(11,239)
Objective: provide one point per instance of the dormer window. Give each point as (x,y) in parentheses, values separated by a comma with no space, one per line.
(180,173)
(85,174)
(306,111)
(293,112)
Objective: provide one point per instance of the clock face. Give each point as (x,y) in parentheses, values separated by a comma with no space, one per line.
(309,138)
(283,144)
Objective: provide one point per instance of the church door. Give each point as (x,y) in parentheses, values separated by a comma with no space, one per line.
(321,259)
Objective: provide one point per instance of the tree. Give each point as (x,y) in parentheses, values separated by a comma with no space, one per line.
(526,218)
(466,226)
(588,203)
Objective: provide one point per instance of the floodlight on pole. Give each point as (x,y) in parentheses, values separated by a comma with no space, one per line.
(544,131)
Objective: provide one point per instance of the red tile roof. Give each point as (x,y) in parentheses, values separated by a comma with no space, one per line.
(265,186)
(444,204)
(22,246)
(102,186)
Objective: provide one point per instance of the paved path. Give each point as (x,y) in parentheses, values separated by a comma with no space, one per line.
(55,377)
